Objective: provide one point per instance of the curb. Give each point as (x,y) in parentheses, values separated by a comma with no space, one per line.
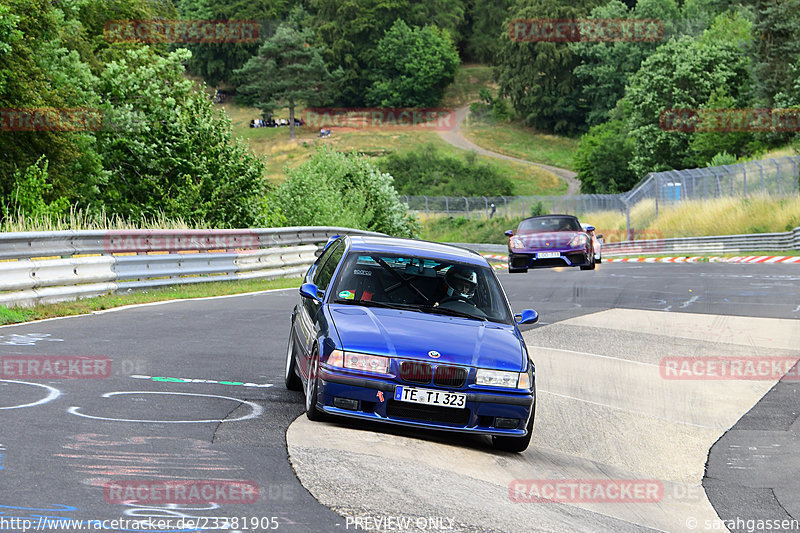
(771,259)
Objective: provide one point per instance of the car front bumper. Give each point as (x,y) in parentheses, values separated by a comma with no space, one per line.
(376,401)
(568,257)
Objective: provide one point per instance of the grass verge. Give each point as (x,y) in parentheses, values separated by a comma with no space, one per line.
(516,140)
(16,315)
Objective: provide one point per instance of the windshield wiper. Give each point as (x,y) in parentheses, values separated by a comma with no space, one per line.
(450,312)
(373,303)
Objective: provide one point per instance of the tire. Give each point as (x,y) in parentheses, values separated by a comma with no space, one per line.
(590,266)
(515,444)
(516,270)
(313,414)
(291,378)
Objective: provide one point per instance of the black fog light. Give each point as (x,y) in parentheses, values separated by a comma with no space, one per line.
(506,423)
(346,403)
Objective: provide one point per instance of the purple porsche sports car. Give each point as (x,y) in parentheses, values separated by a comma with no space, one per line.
(550,241)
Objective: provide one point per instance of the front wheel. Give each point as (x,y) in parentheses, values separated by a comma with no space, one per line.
(312,412)
(515,444)
(590,266)
(291,378)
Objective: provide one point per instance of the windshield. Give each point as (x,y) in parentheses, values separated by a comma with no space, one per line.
(534,225)
(421,284)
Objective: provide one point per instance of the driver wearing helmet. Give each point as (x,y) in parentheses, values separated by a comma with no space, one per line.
(460,283)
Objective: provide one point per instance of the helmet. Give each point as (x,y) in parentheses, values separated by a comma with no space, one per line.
(461,281)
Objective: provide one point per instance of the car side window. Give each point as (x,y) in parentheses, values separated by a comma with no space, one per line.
(313,272)
(324,274)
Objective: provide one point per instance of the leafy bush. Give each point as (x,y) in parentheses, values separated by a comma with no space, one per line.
(425,170)
(334,189)
(602,159)
(27,196)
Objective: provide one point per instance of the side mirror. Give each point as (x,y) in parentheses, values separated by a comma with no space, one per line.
(600,239)
(510,233)
(527,316)
(309,290)
(589,228)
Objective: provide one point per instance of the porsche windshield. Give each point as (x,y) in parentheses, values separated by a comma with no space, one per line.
(421,284)
(534,225)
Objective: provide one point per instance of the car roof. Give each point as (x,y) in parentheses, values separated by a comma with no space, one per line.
(398,245)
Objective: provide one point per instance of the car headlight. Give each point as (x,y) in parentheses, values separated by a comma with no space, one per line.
(500,378)
(579,240)
(359,361)
(517,243)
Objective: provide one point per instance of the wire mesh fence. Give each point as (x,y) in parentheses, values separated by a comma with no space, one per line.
(775,176)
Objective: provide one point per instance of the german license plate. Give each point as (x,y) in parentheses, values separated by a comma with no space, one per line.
(430,397)
(547,255)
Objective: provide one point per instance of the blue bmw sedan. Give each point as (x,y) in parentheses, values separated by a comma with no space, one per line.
(412,333)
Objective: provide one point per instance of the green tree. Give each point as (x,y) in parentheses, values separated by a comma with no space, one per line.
(334,189)
(681,74)
(30,188)
(539,76)
(216,62)
(602,159)
(606,67)
(351,29)
(168,151)
(38,71)
(776,45)
(412,67)
(286,70)
(486,21)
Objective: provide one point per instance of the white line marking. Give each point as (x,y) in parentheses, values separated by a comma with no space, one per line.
(54,393)
(628,410)
(257,409)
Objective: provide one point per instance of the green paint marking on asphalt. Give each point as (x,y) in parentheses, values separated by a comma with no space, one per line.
(207,381)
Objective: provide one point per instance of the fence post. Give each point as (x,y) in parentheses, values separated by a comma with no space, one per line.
(466,206)
(427,212)
(505,204)
(778,170)
(794,174)
(486,202)
(447,206)
(523,206)
(761,170)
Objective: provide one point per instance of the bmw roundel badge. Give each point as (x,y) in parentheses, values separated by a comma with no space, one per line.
(434,354)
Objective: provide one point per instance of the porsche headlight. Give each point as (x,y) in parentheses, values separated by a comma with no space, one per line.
(579,240)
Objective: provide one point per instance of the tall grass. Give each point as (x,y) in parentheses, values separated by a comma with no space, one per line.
(80,219)
(690,218)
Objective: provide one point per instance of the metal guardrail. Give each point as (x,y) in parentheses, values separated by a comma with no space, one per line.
(721,244)
(774,177)
(718,244)
(46,267)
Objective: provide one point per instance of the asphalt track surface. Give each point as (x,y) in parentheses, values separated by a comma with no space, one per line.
(62,441)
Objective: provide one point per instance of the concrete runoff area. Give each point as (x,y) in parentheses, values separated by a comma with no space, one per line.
(605,412)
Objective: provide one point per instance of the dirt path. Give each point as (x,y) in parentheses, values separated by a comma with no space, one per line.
(455,138)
